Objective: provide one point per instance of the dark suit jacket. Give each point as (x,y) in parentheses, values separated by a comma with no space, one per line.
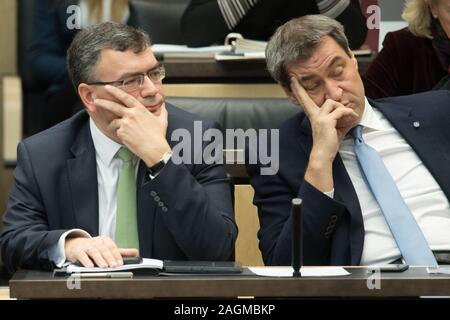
(55,189)
(202,23)
(406,65)
(333,229)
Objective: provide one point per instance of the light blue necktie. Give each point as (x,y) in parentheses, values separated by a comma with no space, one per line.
(404,228)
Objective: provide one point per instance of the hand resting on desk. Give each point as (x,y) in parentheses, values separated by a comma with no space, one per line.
(97,251)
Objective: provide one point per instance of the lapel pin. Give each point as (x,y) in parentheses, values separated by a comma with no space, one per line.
(416,124)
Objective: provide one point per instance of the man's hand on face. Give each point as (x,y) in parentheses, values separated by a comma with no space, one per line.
(137,128)
(98,251)
(327,136)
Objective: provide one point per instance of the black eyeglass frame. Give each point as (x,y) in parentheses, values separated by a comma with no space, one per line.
(120,83)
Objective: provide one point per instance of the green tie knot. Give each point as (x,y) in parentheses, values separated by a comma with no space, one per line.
(125,154)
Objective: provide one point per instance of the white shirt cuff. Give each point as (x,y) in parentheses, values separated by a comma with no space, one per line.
(330,193)
(57,253)
(166,159)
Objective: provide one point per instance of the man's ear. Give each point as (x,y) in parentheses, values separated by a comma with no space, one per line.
(87,96)
(290,94)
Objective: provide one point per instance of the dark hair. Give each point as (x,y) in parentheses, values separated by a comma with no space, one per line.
(297,39)
(84,51)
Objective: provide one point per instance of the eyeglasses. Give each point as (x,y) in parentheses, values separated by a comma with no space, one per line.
(136,81)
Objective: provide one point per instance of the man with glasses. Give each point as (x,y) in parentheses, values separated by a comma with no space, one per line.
(102,185)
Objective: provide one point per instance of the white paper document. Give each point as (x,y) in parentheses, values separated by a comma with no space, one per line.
(146,264)
(224,56)
(172,48)
(305,271)
(439,270)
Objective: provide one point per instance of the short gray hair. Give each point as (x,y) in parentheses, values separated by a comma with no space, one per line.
(84,51)
(297,39)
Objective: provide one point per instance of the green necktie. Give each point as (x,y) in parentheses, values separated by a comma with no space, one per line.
(126,220)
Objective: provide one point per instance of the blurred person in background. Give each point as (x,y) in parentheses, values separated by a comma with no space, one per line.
(52,35)
(206,22)
(416,58)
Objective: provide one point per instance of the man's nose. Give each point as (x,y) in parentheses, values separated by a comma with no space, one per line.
(333,91)
(148,88)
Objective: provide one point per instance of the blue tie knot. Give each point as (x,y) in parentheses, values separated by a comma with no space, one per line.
(356,133)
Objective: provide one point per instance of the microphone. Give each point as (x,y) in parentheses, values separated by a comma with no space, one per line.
(297,245)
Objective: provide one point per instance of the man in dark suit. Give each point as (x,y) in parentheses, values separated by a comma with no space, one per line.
(54,23)
(71,196)
(343,221)
(206,22)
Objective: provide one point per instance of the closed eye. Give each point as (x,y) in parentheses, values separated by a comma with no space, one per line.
(338,71)
(310,86)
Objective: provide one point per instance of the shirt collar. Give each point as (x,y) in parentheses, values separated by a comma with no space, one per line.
(370,119)
(105,148)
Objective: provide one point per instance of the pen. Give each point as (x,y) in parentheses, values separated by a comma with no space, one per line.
(121,275)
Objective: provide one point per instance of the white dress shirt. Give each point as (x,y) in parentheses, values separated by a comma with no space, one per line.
(108,169)
(419,189)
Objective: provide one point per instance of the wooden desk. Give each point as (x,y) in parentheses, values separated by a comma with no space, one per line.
(412,283)
(211,71)
(4,293)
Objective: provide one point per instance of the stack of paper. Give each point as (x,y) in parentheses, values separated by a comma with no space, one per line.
(305,271)
(242,45)
(439,270)
(152,265)
(169,51)
(227,56)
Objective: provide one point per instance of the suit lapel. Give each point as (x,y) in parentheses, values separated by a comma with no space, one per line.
(344,192)
(146,205)
(172,124)
(82,172)
(146,211)
(417,127)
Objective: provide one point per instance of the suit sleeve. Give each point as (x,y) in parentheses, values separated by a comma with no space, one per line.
(354,24)
(203,24)
(273,198)
(199,209)
(26,239)
(206,22)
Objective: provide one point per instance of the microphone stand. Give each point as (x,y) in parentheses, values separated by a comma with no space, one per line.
(297,245)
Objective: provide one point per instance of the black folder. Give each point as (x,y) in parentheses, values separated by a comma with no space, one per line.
(201,267)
